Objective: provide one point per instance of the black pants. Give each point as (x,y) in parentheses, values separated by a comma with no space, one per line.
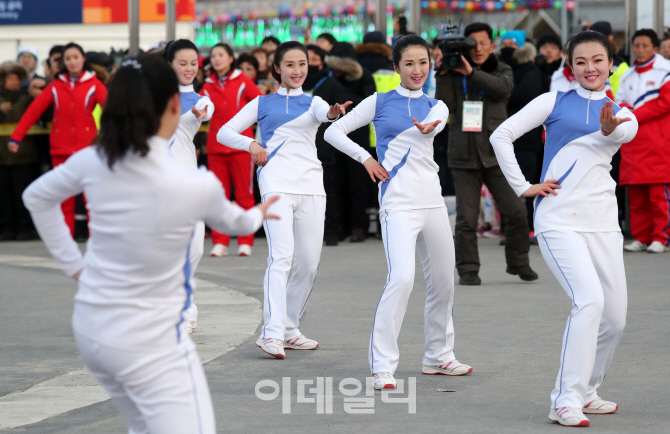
(14,217)
(332,211)
(528,161)
(353,193)
(468,184)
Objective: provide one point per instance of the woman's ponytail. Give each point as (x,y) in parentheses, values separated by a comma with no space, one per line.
(138,95)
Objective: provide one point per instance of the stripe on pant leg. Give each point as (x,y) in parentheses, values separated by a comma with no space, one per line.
(665,231)
(388,280)
(272,260)
(195,391)
(567,333)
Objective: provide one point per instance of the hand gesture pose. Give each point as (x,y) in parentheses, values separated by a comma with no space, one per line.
(5,106)
(263,207)
(375,169)
(13,146)
(466,69)
(258,154)
(544,189)
(200,114)
(337,110)
(428,128)
(609,122)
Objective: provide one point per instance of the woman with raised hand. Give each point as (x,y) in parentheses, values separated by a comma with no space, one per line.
(134,280)
(182,55)
(74,93)
(413,213)
(288,121)
(577,226)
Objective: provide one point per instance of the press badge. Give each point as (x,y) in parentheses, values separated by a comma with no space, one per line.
(473,114)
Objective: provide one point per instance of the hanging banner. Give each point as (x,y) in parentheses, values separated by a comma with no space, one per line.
(14,12)
(116,11)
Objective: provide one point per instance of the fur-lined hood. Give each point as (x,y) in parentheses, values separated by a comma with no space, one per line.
(525,53)
(373,48)
(352,69)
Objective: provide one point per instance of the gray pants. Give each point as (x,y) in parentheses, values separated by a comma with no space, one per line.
(468,185)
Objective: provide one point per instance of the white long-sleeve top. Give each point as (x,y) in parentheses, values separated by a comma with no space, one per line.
(576,154)
(405,152)
(135,279)
(288,122)
(181,142)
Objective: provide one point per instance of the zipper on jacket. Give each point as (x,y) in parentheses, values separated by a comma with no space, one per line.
(409,98)
(588,107)
(287,90)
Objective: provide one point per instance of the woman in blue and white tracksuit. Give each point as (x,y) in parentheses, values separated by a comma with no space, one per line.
(134,280)
(577,226)
(182,55)
(288,122)
(413,213)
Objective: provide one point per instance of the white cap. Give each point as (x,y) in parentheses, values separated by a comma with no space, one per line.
(28,49)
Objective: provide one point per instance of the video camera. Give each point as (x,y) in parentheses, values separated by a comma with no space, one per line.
(453,45)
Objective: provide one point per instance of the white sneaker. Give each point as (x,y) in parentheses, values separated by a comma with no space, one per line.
(384,380)
(568,416)
(244,250)
(451,368)
(300,343)
(657,247)
(272,346)
(635,246)
(190,326)
(219,251)
(600,406)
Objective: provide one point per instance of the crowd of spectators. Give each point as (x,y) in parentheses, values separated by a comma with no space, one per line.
(500,76)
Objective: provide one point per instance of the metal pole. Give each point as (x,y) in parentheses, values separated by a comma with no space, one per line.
(170,20)
(658,18)
(631,25)
(134,27)
(415,16)
(565,26)
(380,17)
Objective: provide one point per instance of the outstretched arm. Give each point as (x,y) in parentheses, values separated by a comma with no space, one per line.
(336,135)
(43,198)
(502,140)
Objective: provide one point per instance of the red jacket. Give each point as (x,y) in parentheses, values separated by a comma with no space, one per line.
(645,89)
(229,95)
(73,126)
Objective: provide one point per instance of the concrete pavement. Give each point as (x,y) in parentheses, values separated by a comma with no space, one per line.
(509,331)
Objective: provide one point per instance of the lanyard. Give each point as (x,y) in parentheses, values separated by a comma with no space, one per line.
(465,89)
(330,74)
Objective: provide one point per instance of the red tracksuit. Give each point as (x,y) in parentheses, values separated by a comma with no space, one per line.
(645,161)
(73,125)
(229,94)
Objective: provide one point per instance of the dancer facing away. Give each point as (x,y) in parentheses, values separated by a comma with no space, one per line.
(578,226)
(413,213)
(289,167)
(182,55)
(74,94)
(134,280)
(230,90)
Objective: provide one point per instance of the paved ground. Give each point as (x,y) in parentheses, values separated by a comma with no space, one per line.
(510,332)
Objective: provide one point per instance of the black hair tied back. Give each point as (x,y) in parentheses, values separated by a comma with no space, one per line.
(404,43)
(138,95)
(283,49)
(173,47)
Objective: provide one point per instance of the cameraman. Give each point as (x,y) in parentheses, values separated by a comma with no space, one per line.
(482,85)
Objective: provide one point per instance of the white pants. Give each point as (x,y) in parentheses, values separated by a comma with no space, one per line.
(196,249)
(294,244)
(404,231)
(589,267)
(161,392)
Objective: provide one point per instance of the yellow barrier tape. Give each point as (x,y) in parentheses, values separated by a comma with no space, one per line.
(7,129)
